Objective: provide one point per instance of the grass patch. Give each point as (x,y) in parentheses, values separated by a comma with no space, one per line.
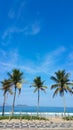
(26,117)
(68,118)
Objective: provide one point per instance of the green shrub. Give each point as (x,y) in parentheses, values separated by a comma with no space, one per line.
(27,117)
(68,118)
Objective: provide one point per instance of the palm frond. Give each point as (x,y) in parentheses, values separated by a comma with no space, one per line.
(62,83)
(55,86)
(16,78)
(54,79)
(45,87)
(10,75)
(38,84)
(69,83)
(56,92)
(10,91)
(36,89)
(67,88)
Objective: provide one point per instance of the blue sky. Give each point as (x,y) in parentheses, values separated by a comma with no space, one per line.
(36,36)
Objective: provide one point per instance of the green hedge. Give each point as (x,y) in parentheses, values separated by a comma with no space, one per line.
(23,117)
(68,118)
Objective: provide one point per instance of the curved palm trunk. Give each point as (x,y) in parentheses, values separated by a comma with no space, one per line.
(14,101)
(38,102)
(3,105)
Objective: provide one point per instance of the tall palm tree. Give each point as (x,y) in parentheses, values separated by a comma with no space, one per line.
(38,85)
(6,88)
(16,80)
(62,84)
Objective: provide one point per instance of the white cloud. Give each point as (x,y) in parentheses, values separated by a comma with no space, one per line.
(10,31)
(33,29)
(59,50)
(16,9)
(47,65)
(22,6)
(8,60)
(11,14)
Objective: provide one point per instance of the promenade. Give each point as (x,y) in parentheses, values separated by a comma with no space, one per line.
(36,125)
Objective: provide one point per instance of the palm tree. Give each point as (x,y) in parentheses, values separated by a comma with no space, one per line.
(6,88)
(38,84)
(16,80)
(62,84)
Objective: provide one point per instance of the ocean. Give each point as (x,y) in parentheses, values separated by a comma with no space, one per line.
(33,110)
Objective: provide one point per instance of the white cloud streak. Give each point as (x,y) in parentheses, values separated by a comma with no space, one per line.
(16,13)
(47,65)
(11,31)
(32,29)
(8,60)
(16,9)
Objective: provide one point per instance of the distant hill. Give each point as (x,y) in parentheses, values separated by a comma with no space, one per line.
(19,105)
(22,105)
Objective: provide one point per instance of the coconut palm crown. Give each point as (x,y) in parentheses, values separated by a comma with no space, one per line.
(38,84)
(6,89)
(62,83)
(16,79)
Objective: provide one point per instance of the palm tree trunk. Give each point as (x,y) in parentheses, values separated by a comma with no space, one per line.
(64,106)
(3,105)
(14,101)
(38,102)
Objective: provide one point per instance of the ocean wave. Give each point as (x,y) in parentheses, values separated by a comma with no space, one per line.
(45,114)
